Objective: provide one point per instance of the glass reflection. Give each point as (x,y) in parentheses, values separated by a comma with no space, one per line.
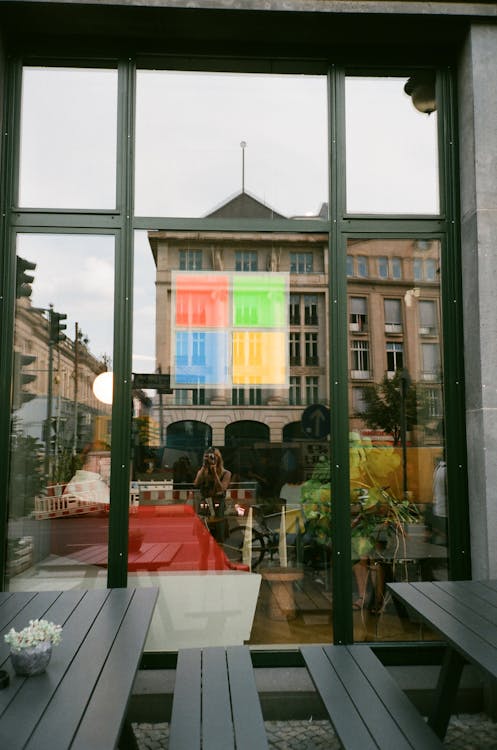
(259,139)
(68,145)
(61,432)
(391,150)
(397,454)
(231,481)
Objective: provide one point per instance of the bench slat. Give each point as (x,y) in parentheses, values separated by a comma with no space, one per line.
(344,716)
(374,713)
(395,699)
(217,726)
(226,712)
(246,708)
(365,705)
(184,730)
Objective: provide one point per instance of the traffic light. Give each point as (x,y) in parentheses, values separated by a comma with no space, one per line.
(56,326)
(50,436)
(21,379)
(23,278)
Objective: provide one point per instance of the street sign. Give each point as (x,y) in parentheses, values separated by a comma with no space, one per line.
(316,421)
(153,380)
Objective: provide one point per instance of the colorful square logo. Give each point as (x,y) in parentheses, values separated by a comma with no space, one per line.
(229,329)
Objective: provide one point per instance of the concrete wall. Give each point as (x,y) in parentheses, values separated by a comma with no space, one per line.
(478,155)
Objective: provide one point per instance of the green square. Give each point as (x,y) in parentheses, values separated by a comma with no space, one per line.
(260,300)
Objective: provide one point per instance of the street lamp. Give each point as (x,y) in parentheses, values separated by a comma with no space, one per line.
(405,382)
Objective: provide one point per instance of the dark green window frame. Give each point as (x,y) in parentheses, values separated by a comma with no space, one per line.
(340,226)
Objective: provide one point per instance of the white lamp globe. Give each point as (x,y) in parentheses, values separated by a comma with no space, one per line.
(103,387)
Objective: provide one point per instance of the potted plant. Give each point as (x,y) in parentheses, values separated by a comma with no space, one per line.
(31,647)
(377,511)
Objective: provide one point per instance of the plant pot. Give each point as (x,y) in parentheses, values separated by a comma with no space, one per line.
(32,660)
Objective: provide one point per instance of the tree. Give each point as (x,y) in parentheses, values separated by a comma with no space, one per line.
(383,406)
(26,472)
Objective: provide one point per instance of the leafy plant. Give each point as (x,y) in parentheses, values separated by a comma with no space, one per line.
(377,510)
(26,472)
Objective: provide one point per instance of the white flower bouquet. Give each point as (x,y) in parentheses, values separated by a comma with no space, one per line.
(38,631)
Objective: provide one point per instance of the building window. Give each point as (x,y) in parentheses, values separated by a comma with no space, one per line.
(395,357)
(294,309)
(393,315)
(181,397)
(418,269)
(245,260)
(430,355)
(430,269)
(358,401)
(350,265)
(301,263)
(358,316)
(425,269)
(255,396)
(360,359)
(427,318)
(182,348)
(198,396)
(434,399)
(294,348)
(295,394)
(243,396)
(190,260)
(310,309)
(238,396)
(362,267)
(198,350)
(389,268)
(383,268)
(396,265)
(312,390)
(311,349)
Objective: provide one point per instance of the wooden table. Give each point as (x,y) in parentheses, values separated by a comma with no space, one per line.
(80,702)
(465,615)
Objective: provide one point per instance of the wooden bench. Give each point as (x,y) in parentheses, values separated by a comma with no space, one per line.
(364,703)
(215,701)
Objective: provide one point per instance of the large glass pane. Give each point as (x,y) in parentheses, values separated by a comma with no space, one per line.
(213,144)
(68,144)
(221,384)
(391,147)
(61,431)
(397,448)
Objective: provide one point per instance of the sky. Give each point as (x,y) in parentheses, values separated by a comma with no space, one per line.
(189,127)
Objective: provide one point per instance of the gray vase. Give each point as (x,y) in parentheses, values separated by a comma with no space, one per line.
(32,660)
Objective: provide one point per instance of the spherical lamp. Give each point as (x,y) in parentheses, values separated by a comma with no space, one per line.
(421,89)
(103,387)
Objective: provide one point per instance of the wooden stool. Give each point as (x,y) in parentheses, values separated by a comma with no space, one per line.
(282,601)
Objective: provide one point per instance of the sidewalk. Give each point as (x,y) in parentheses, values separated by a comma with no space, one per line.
(465,732)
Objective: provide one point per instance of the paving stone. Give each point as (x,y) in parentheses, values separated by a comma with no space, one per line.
(465,732)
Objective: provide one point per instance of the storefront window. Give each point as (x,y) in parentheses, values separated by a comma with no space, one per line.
(210,142)
(253,559)
(232,352)
(68,138)
(392,155)
(61,427)
(397,445)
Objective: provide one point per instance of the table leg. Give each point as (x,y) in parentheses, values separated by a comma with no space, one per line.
(446,691)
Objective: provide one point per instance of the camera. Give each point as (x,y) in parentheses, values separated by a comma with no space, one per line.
(209,459)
